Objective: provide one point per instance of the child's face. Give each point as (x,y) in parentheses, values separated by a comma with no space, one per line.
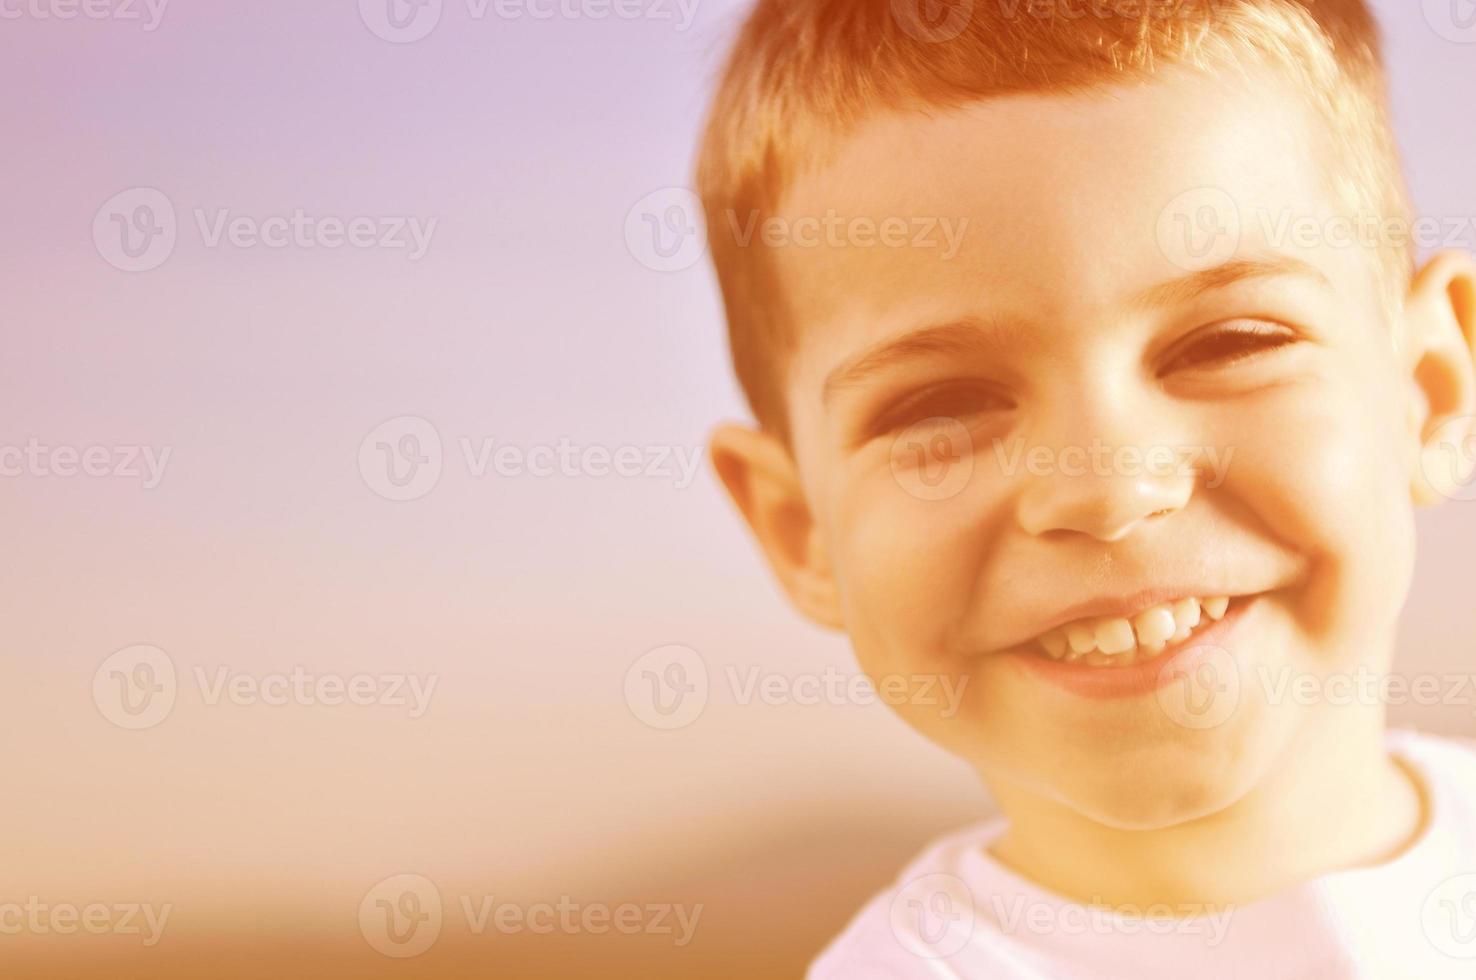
(1069,331)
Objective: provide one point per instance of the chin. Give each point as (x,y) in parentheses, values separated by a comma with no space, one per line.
(1175,777)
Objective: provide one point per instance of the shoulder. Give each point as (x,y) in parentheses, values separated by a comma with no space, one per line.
(903,931)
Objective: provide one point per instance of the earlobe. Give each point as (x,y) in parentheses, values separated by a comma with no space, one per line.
(1440,324)
(762,480)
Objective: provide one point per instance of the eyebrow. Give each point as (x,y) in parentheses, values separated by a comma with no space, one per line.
(973,335)
(1187,287)
(957,338)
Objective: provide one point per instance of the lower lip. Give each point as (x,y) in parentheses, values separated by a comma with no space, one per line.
(1105,683)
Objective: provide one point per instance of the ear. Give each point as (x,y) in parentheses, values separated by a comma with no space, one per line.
(1440,331)
(763,481)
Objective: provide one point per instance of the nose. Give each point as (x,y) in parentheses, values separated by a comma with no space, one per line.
(1107,508)
(1105,490)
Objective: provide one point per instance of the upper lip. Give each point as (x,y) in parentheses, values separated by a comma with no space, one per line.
(1126,606)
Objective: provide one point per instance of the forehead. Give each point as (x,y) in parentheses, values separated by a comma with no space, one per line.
(1061,206)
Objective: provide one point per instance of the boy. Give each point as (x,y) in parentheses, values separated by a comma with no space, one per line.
(1134,459)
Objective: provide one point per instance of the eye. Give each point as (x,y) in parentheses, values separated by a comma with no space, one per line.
(960,400)
(1224,344)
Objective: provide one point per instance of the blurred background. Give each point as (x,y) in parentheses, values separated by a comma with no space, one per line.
(356,366)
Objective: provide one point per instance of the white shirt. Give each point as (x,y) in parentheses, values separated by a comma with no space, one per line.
(956,912)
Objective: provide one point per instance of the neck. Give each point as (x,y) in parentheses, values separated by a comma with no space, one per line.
(1333,800)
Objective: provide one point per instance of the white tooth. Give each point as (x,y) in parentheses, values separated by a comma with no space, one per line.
(1181,634)
(1215,608)
(1098,659)
(1082,640)
(1055,644)
(1115,635)
(1154,626)
(1147,650)
(1186,613)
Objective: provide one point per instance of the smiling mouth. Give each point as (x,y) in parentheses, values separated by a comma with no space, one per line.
(1122,641)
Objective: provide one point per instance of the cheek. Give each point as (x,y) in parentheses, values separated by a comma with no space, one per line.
(1323,471)
(907,568)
